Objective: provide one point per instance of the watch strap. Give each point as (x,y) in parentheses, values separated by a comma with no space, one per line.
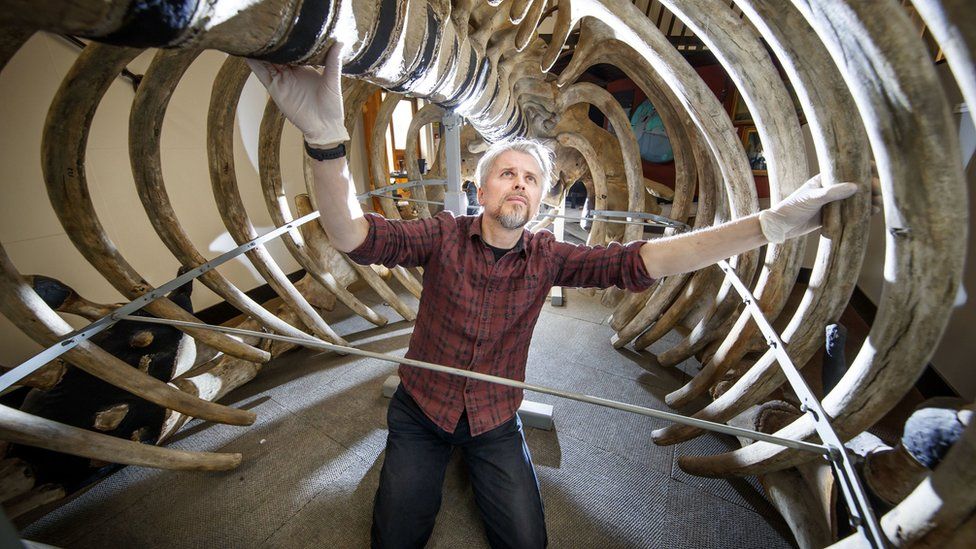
(338,151)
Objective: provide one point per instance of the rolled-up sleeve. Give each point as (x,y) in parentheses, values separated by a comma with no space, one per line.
(394,242)
(600,267)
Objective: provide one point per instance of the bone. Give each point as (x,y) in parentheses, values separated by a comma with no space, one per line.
(145,126)
(953,24)
(225,374)
(46,377)
(590,93)
(314,233)
(710,314)
(408,281)
(528,24)
(65,300)
(702,283)
(740,51)
(409,37)
(377,154)
(269,146)
(63,159)
(402,51)
(939,511)
(220,152)
(426,115)
(16,478)
(648,43)
(598,45)
(519,9)
(34,317)
(842,152)
(22,428)
(110,418)
(890,364)
(34,499)
(599,178)
(804,496)
(705,282)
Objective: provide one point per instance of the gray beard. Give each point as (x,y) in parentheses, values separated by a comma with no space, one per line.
(513,220)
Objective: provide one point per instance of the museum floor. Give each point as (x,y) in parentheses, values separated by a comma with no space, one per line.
(312,460)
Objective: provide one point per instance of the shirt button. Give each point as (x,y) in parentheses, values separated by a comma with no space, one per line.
(478,344)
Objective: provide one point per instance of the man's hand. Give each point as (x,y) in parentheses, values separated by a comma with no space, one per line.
(311,100)
(799,213)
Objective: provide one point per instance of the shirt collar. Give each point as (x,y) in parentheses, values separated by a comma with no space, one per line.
(474,230)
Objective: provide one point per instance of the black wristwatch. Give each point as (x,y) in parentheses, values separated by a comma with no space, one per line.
(326,154)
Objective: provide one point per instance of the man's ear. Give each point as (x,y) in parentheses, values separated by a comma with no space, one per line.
(481,197)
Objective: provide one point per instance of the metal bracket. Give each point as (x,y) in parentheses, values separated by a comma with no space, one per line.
(862,515)
(455,201)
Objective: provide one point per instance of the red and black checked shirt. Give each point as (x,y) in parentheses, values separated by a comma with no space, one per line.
(476,314)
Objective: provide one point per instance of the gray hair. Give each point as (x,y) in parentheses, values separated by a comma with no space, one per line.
(542,154)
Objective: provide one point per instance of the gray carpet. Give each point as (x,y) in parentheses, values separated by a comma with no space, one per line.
(312,460)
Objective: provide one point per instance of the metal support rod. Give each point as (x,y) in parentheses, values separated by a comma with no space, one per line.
(641,215)
(455,200)
(418,201)
(315,343)
(398,186)
(557,297)
(71,340)
(862,515)
(573,218)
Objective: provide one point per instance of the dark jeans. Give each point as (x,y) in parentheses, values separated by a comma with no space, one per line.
(417,452)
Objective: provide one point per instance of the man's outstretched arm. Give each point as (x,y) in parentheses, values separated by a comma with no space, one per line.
(795,216)
(342,216)
(312,101)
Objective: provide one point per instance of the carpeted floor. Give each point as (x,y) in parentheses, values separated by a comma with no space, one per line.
(312,460)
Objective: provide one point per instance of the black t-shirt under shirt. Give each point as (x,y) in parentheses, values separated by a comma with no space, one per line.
(499,252)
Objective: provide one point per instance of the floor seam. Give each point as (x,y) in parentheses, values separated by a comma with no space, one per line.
(310,500)
(730,502)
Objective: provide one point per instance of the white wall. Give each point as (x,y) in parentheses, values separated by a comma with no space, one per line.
(29,230)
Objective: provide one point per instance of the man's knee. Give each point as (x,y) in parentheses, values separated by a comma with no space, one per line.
(527,530)
(530,539)
(405,509)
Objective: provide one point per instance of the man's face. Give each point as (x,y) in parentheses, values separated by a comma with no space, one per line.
(512,191)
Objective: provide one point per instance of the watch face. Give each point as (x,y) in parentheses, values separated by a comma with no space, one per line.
(651,136)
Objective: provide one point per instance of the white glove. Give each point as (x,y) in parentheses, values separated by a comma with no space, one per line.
(311,100)
(799,213)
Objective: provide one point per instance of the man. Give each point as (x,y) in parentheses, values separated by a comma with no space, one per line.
(485,281)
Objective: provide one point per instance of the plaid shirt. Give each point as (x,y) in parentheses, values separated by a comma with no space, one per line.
(476,314)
